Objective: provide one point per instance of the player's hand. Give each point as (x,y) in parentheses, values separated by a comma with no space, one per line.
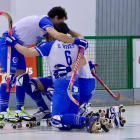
(11,41)
(61,70)
(92,67)
(81,43)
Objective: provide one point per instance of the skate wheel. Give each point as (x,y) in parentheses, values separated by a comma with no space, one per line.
(105,127)
(122,121)
(104,112)
(100,111)
(14,127)
(102,117)
(92,127)
(98,125)
(103,122)
(100,130)
(38,123)
(122,109)
(106,120)
(120,106)
(29,125)
(2,126)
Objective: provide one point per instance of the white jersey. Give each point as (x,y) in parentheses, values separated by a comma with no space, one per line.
(57,52)
(31,29)
(85,72)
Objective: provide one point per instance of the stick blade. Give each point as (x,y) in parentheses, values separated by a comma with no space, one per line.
(118,97)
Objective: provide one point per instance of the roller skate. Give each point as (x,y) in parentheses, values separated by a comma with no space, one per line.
(85,110)
(93,125)
(24,116)
(43,115)
(105,122)
(6,117)
(114,113)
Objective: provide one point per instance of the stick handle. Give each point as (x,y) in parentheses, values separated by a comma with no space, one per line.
(74,75)
(103,84)
(9,49)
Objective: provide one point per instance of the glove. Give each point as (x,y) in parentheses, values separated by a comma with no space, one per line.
(92,67)
(61,70)
(11,41)
(81,43)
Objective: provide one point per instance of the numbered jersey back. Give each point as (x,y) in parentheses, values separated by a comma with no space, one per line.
(62,53)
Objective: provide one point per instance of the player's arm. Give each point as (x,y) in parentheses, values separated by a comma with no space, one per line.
(59,36)
(27,52)
(42,49)
(75,34)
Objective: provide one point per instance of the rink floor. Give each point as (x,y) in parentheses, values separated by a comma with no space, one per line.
(131,130)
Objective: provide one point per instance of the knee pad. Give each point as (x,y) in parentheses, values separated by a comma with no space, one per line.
(23,80)
(85,110)
(49,92)
(57,123)
(12,79)
(32,87)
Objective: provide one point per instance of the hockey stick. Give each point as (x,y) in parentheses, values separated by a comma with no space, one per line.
(9,49)
(74,75)
(95,75)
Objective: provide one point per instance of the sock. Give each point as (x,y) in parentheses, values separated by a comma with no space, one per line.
(72,119)
(4,97)
(37,97)
(20,96)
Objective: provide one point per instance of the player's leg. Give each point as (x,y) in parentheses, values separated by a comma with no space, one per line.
(87,87)
(22,81)
(34,92)
(4,96)
(73,121)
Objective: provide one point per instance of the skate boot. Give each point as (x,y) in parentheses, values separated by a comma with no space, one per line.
(92,125)
(6,117)
(85,110)
(43,115)
(24,116)
(114,113)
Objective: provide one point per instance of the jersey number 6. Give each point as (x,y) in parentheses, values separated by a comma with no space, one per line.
(68,57)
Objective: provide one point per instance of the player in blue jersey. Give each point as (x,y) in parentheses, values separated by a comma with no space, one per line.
(27,31)
(63,109)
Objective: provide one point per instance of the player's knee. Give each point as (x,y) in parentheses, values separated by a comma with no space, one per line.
(57,123)
(23,80)
(32,86)
(12,79)
(49,92)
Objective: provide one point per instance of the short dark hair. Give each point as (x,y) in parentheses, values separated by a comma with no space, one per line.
(61,27)
(58,11)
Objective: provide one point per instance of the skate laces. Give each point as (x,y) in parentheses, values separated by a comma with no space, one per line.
(23,112)
(8,116)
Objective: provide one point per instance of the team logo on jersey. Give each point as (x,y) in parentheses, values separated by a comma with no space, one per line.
(15,59)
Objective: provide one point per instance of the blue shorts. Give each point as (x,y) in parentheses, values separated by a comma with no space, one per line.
(17,59)
(87,87)
(46,81)
(61,103)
